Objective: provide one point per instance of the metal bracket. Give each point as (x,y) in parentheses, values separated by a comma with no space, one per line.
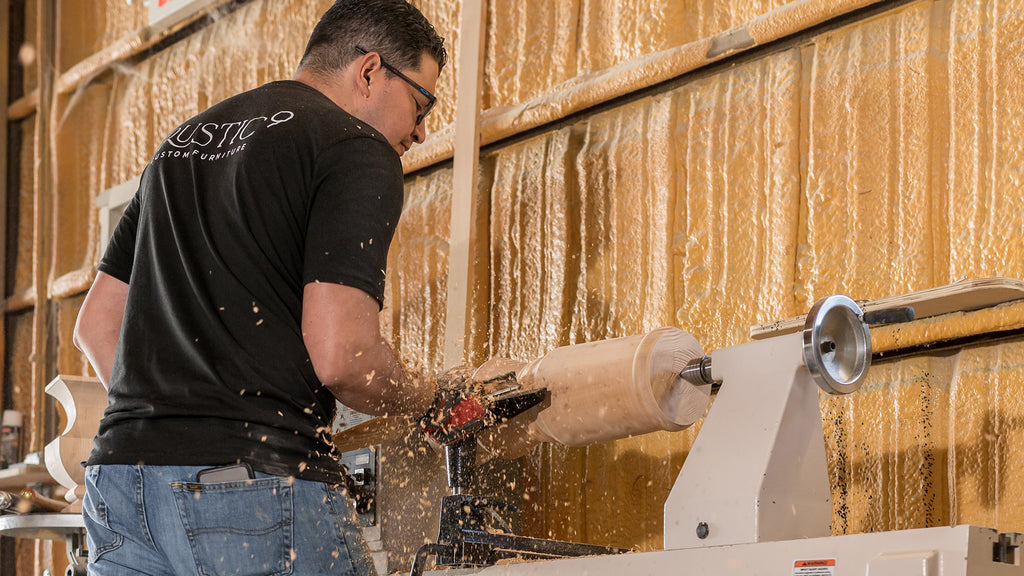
(465,540)
(361,483)
(1006,550)
(78,554)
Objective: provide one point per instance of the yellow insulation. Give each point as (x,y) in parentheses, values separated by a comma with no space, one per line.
(21,251)
(930,441)
(416,289)
(77,153)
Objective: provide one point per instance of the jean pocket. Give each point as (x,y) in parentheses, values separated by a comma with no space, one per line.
(101,538)
(241,528)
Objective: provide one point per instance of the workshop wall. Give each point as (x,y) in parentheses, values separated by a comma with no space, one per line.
(534,45)
(847,163)
(875,158)
(87,28)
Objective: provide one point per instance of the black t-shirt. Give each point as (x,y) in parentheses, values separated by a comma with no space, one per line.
(238,210)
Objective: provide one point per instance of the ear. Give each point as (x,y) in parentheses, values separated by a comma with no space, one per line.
(367,73)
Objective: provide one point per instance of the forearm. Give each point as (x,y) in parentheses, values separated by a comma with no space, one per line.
(383,385)
(101,358)
(98,326)
(341,330)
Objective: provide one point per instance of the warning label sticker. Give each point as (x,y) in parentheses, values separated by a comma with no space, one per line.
(825,567)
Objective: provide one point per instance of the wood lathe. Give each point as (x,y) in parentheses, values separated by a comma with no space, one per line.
(753,496)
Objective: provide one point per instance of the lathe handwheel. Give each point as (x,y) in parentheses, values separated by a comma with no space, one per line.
(837,345)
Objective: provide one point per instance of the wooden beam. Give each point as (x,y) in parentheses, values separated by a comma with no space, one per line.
(5,72)
(74,283)
(465,195)
(46,40)
(24,299)
(22,107)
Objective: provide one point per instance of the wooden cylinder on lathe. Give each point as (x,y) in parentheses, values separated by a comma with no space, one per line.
(602,391)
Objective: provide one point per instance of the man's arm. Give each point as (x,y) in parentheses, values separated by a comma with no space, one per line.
(341,330)
(99,323)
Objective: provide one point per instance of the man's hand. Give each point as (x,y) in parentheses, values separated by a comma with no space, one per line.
(458,410)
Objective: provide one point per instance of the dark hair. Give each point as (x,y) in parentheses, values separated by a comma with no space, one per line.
(395,29)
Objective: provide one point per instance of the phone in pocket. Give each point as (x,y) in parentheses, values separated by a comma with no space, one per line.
(229,473)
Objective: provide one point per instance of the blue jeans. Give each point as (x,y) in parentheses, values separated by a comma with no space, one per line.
(157,520)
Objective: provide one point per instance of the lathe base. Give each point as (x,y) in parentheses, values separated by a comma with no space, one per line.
(956,551)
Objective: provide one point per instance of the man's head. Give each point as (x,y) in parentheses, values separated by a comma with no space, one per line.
(376,58)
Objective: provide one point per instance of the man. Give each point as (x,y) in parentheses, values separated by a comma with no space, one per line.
(240,296)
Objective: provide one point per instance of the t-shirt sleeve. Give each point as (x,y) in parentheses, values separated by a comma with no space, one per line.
(120,253)
(357,201)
